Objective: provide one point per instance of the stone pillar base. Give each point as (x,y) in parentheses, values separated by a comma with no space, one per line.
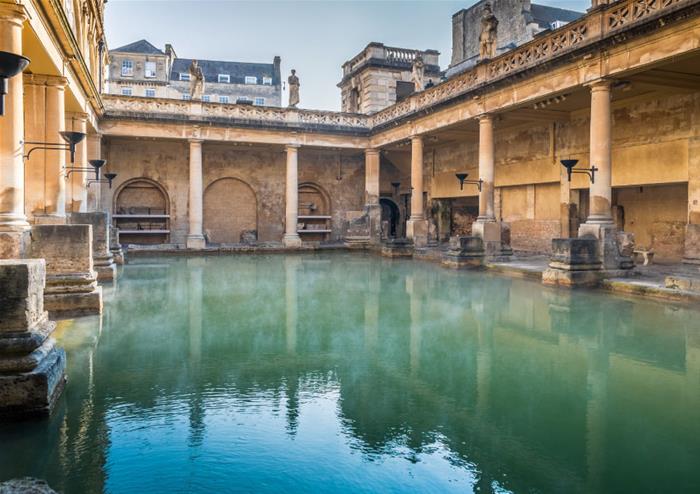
(496,239)
(464,252)
(615,247)
(118,255)
(13,245)
(691,255)
(417,230)
(71,283)
(32,369)
(291,241)
(115,247)
(105,267)
(195,242)
(397,247)
(49,219)
(574,262)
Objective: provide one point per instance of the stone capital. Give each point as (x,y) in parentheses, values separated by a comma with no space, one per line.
(289,147)
(372,151)
(11,11)
(44,80)
(416,137)
(485,117)
(602,84)
(195,140)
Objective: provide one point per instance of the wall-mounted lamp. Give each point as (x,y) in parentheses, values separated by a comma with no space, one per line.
(109,177)
(396,186)
(11,64)
(95,166)
(462,177)
(72,139)
(570,164)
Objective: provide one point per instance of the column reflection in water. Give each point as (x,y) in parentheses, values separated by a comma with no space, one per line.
(291,265)
(372,295)
(416,321)
(196,267)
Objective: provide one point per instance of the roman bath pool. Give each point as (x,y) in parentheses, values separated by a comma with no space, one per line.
(352,373)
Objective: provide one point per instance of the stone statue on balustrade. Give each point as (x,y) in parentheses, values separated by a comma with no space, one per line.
(293,82)
(196,81)
(418,73)
(489,32)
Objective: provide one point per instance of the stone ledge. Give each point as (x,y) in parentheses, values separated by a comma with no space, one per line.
(65,305)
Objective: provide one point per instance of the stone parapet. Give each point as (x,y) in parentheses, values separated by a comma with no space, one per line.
(574,262)
(101,253)
(32,369)
(71,281)
(397,247)
(464,252)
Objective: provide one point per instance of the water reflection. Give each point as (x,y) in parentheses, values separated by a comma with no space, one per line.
(354,373)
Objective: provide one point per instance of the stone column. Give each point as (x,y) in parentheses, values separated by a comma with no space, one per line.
(13,222)
(195,238)
(76,194)
(32,369)
(372,159)
(601,154)
(692,229)
(291,237)
(487,167)
(486,227)
(417,225)
(94,150)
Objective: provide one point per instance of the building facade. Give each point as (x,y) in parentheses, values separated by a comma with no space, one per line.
(379,76)
(141,69)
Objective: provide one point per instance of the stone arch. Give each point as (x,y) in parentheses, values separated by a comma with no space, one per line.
(230,211)
(391,214)
(141,211)
(313,200)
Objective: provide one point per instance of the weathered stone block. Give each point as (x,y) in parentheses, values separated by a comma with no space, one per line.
(71,282)
(32,369)
(574,262)
(417,231)
(496,238)
(684,283)
(102,256)
(115,246)
(614,247)
(464,252)
(21,294)
(397,247)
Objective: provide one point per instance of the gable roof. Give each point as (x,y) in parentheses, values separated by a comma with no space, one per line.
(140,46)
(544,15)
(237,70)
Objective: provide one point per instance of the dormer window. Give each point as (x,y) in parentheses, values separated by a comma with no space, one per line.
(224,78)
(249,79)
(267,81)
(127,68)
(184,76)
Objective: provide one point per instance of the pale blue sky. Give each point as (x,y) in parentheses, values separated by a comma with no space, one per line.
(313,37)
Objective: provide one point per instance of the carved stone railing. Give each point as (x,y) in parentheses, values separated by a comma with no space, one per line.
(575,35)
(607,20)
(249,115)
(400,54)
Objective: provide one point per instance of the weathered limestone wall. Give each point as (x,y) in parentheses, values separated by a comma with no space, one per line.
(164,162)
(243,186)
(652,140)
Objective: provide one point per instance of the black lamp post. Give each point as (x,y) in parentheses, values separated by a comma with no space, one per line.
(570,164)
(11,64)
(396,186)
(72,139)
(462,177)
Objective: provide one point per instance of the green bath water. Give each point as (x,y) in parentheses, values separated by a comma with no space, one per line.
(351,373)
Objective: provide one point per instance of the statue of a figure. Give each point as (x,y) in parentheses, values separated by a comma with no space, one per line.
(489,29)
(196,81)
(293,82)
(418,73)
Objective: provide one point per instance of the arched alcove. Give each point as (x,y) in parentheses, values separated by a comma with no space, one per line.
(230,212)
(314,212)
(391,217)
(141,211)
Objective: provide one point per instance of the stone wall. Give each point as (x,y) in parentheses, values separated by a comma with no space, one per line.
(241,184)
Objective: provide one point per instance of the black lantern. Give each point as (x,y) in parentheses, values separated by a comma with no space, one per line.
(109,177)
(72,139)
(462,177)
(570,164)
(396,186)
(11,64)
(95,166)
